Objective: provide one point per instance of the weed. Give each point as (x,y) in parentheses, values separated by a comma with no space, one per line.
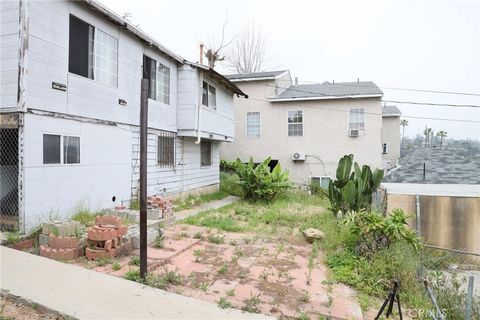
(134,261)
(238,251)
(224,303)
(158,243)
(304,297)
(198,235)
(223,269)
(133,275)
(303,316)
(13,237)
(330,300)
(204,286)
(34,306)
(217,239)
(116,266)
(265,273)
(85,217)
(251,304)
(103,261)
(197,253)
(234,243)
(135,204)
(230,292)
(172,277)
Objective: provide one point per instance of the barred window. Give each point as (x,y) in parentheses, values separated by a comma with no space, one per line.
(253,124)
(295,123)
(356,119)
(166,149)
(206,153)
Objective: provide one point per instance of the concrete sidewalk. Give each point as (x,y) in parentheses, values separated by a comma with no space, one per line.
(207,206)
(86,294)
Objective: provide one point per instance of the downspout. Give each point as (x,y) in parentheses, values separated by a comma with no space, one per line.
(199,110)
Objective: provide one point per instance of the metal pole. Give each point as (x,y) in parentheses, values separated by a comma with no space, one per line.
(417,215)
(143,177)
(469,303)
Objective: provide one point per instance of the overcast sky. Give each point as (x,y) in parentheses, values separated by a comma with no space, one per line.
(433,45)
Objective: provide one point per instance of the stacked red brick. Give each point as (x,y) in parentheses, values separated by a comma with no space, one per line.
(106,238)
(61,248)
(158,202)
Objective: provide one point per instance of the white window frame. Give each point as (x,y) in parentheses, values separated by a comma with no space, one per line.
(96,56)
(62,163)
(349,122)
(320,180)
(259,125)
(162,77)
(302,123)
(209,95)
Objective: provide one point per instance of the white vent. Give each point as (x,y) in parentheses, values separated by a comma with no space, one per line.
(353,132)
(298,156)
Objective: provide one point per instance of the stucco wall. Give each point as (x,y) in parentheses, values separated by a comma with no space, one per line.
(391,136)
(325,133)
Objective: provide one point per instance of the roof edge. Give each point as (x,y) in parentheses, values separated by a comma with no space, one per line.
(358,96)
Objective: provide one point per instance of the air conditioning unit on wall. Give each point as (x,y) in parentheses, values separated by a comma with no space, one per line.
(353,132)
(298,156)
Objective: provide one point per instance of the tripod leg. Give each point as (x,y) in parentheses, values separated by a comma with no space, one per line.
(399,308)
(383,307)
(390,305)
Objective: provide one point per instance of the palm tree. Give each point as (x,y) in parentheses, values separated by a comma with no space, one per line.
(427,133)
(403,123)
(442,134)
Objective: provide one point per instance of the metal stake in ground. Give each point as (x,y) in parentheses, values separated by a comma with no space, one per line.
(143,177)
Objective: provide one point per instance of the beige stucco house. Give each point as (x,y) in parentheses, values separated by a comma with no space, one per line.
(307,128)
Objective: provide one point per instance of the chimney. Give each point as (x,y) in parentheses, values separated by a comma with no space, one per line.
(358,80)
(201,53)
(296,81)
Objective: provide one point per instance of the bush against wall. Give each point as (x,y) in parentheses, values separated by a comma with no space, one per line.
(259,183)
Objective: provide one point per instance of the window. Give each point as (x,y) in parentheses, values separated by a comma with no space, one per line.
(253,124)
(166,150)
(61,149)
(159,80)
(51,149)
(356,119)
(295,123)
(206,153)
(321,181)
(92,53)
(71,150)
(384,148)
(209,95)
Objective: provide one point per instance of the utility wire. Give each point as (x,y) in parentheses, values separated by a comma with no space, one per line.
(378,114)
(397,88)
(392,101)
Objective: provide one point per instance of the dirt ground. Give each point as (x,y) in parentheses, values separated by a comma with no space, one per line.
(11,309)
(285,278)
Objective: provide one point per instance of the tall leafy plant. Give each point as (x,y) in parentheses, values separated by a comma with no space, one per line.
(353,187)
(259,183)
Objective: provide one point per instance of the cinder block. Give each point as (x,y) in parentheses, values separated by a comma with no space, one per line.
(61,228)
(154,214)
(134,235)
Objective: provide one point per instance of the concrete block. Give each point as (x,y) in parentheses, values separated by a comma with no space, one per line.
(134,234)
(61,228)
(43,239)
(154,214)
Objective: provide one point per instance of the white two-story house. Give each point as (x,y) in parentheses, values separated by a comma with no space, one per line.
(70,103)
(307,128)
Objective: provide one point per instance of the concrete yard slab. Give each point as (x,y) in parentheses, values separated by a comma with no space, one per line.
(86,294)
(207,206)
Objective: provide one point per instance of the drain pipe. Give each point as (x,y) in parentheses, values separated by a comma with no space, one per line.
(199,110)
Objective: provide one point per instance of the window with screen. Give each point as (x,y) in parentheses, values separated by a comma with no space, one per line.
(356,119)
(295,123)
(206,153)
(253,124)
(209,95)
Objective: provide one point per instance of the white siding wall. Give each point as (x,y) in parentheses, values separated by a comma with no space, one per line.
(58,190)
(187,174)
(48,62)
(9,41)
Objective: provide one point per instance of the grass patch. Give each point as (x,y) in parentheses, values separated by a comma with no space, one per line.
(13,237)
(85,217)
(134,261)
(195,201)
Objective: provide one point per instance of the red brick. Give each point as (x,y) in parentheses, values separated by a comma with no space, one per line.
(108,245)
(108,221)
(101,234)
(59,254)
(55,242)
(22,245)
(93,254)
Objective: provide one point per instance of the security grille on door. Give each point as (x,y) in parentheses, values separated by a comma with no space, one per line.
(9,173)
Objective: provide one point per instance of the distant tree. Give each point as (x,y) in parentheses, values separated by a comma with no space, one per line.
(428,132)
(248,52)
(403,123)
(441,134)
(214,51)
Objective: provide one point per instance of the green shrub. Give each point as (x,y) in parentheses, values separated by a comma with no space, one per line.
(229,184)
(13,237)
(228,166)
(133,275)
(258,183)
(374,232)
(85,217)
(134,261)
